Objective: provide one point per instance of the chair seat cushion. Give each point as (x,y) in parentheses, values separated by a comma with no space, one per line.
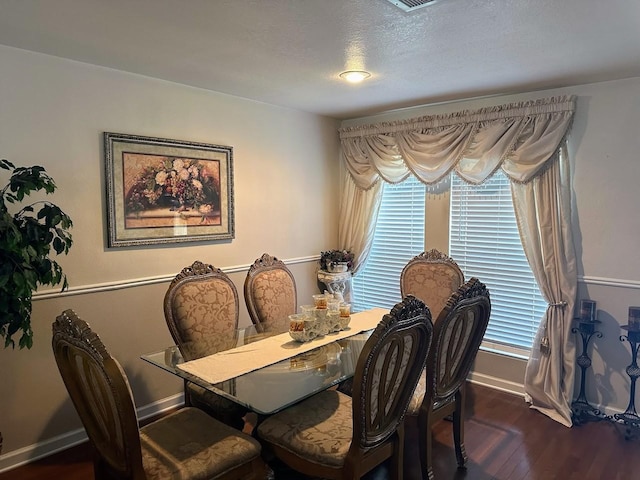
(191,444)
(318,429)
(418,395)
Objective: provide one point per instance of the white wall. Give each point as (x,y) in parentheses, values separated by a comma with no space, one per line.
(53,113)
(604,144)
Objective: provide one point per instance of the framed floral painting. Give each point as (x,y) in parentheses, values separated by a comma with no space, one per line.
(166,191)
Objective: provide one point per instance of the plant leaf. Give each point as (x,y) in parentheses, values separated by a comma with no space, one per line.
(26,241)
(6,164)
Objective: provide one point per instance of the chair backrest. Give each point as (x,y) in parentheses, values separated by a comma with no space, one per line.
(458,332)
(270,291)
(388,371)
(100,392)
(432,277)
(201,308)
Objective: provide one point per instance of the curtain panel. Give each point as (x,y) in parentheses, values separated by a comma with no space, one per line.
(543,212)
(526,140)
(520,138)
(358,218)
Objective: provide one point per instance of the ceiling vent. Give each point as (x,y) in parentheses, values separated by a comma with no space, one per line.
(411,5)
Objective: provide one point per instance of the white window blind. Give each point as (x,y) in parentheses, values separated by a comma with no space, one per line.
(399,237)
(484,241)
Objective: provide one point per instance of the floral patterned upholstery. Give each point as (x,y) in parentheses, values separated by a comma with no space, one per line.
(330,434)
(418,395)
(270,291)
(186,445)
(432,277)
(179,447)
(319,429)
(201,308)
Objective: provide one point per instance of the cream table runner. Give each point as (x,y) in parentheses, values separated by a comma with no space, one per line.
(229,364)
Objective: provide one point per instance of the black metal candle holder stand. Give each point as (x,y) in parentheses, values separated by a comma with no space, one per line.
(581,410)
(629,418)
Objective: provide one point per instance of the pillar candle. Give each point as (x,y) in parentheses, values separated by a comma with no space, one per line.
(588,310)
(634,318)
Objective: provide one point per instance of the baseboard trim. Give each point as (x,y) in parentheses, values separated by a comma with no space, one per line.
(31,453)
(39,450)
(497,383)
(518,389)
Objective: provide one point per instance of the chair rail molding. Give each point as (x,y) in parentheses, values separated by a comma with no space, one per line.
(609,282)
(140,282)
(144,281)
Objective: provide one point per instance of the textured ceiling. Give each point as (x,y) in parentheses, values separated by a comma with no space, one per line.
(290,52)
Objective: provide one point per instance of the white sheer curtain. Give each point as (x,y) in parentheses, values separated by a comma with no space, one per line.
(358,216)
(522,139)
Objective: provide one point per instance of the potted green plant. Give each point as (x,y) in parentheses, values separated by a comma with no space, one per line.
(28,233)
(336,261)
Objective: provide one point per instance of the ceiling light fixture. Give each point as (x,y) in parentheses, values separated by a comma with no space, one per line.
(355,76)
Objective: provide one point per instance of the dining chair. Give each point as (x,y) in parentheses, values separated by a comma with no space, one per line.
(185,444)
(433,277)
(201,308)
(457,335)
(270,291)
(331,436)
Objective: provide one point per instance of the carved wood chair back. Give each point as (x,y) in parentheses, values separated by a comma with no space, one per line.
(100,392)
(98,389)
(201,308)
(458,333)
(432,277)
(332,435)
(387,372)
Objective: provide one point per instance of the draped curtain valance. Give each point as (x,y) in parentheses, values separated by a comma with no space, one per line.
(520,138)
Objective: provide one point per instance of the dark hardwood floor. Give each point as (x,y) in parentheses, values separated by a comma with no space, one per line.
(504,440)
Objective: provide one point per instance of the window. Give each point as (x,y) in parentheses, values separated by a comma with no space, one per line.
(484,241)
(399,236)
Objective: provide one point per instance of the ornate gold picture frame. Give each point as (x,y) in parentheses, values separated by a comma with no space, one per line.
(167,191)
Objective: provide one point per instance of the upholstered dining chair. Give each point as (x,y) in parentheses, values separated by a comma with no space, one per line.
(186,444)
(431,276)
(331,436)
(270,291)
(457,335)
(201,308)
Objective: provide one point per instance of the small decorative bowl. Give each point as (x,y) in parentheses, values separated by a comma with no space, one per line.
(301,328)
(333,321)
(301,335)
(344,322)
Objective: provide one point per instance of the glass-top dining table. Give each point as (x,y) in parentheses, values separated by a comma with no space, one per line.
(263,369)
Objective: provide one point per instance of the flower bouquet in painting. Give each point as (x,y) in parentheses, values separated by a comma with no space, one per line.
(161,187)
